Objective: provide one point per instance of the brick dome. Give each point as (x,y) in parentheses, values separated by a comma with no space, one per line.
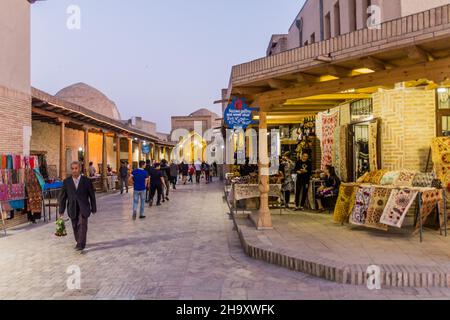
(91,98)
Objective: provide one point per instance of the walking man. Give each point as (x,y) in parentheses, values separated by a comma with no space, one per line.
(303,168)
(123,176)
(78,196)
(198,170)
(173,174)
(165,170)
(156,184)
(140,180)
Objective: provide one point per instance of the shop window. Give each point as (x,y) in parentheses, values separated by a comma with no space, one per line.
(328,26)
(361,147)
(313,38)
(352,15)
(361,110)
(443,112)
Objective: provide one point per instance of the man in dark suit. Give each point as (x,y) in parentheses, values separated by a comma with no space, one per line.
(78,196)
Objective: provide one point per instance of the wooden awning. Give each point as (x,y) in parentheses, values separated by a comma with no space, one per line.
(48,108)
(410,48)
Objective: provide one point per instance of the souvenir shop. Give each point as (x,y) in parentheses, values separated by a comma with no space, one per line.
(20,190)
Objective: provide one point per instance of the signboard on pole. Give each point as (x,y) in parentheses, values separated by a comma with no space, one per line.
(238,115)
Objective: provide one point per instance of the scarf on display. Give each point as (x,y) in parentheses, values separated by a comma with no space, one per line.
(373,146)
(345,202)
(430,199)
(319,121)
(329,124)
(441,159)
(361,206)
(397,208)
(343,136)
(405,179)
(336,161)
(34,192)
(380,197)
(377,176)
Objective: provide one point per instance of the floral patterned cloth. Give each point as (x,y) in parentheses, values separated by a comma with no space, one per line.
(373,146)
(380,198)
(249,191)
(361,206)
(405,179)
(34,192)
(430,199)
(329,124)
(345,202)
(424,180)
(375,177)
(336,161)
(343,136)
(397,208)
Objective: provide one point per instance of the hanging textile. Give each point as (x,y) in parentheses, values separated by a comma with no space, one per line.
(17,204)
(397,208)
(40,178)
(380,198)
(359,213)
(377,176)
(4,162)
(441,160)
(343,136)
(430,199)
(424,180)
(336,161)
(9,163)
(319,122)
(345,203)
(405,179)
(373,146)
(329,124)
(34,192)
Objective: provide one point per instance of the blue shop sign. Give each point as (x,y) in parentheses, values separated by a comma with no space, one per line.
(238,115)
(146,148)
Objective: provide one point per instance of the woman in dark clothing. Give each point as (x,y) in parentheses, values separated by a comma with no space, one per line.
(330,188)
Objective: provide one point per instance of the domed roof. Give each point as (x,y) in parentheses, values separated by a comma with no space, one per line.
(90,98)
(204,113)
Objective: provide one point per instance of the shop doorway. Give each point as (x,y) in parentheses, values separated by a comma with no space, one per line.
(360,149)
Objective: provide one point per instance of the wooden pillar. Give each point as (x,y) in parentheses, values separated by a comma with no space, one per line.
(130,152)
(104,164)
(62,150)
(264,218)
(86,151)
(140,151)
(118,153)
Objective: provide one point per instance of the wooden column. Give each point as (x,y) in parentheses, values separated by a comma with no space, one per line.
(130,152)
(264,219)
(62,150)
(104,164)
(117,153)
(140,151)
(86,151)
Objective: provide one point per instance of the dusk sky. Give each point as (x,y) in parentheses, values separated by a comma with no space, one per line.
(153,58)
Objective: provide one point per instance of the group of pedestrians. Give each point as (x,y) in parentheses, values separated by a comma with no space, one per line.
(150,180)
(201,170)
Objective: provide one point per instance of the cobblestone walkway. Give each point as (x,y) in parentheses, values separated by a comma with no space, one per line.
(183,250)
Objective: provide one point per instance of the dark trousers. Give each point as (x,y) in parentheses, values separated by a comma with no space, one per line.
(156,189)
(207,177)
(287,198)
(123,184)
(301,189)
(173,181)
(198,175)
(80,228)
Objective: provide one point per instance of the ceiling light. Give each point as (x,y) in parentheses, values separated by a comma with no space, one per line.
(364,70)
(442,90)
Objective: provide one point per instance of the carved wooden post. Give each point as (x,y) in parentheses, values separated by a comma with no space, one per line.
(264,218)
(62,151)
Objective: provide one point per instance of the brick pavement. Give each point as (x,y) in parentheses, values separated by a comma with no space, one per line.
(183,250)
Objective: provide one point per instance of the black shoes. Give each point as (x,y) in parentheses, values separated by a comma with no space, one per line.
(142,217)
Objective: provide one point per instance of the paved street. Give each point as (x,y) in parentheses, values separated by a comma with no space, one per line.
(183,250)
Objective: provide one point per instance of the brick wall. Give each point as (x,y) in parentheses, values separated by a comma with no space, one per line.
(45,137)
(408,125)
(15,116)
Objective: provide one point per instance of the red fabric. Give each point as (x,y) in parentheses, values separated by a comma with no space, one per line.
(4,161)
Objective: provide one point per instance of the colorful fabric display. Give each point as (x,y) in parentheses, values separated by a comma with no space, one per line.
(329,124)
(430,199)
(9,163)
(361,206)
(376,177)
(397,208)
(345,202)
(16,191)
(424,180)
(390,178)
(373,146)
(405,179)
(4,162)
(3,192)
(343,136)
(380,198)
(34,193)
(17,204)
